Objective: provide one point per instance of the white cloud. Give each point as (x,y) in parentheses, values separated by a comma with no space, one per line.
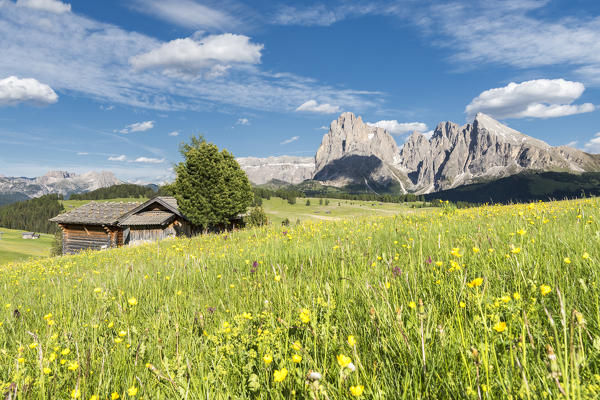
(320,15)
(138,127)
(107,108)
(82,153)
(53,6)
(56,50)
(14,90)
(122,157)
(290,140)
(147,160)
(313,106)
(188,13)
(572,143)
(518,33)
(322,128)
(243,121)
(212,55)
(593,145)
(399,128)
(514,33)
(174,133)
(540,98)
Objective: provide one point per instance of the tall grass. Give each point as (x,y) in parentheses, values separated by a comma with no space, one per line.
(490,302)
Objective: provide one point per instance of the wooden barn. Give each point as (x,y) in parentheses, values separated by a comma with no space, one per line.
(100,225)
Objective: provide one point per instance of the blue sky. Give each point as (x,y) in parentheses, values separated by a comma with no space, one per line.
(117,85)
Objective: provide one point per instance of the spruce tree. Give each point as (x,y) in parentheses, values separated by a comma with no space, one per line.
(210,187)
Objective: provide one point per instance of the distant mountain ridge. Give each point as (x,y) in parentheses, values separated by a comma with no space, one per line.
(55,182)
(289,169)
(356,155)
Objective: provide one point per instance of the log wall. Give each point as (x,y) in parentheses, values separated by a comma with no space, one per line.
(77,238)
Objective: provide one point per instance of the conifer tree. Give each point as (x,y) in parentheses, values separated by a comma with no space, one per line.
(210,187)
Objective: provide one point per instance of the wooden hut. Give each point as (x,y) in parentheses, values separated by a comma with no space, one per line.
(94,225)
(100,225)
(154,220)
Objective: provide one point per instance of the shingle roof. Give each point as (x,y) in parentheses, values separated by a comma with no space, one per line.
(95,213)
(171,201)
(151,218)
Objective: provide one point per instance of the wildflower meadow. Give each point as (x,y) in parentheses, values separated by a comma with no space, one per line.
(482,303)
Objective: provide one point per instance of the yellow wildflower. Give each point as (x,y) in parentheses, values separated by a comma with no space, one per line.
(279,374)
(351,341)
(357,390)
(475,282)
(296,358)
(132,301)
(305,316)
(132,391)
(268,359)
(500,327)
(75,394)
(545,289)
(343,360)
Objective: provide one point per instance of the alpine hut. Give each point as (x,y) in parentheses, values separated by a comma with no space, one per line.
(100,225)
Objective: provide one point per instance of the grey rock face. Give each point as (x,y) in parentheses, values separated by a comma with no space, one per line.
(349,135)
(485,149)
(58,182)
(285,168)
(354,153)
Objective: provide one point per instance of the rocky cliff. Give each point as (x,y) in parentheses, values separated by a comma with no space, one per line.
(482,150)
(356,155)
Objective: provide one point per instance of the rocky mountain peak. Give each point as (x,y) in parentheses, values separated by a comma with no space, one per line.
(59,174)
(349,135)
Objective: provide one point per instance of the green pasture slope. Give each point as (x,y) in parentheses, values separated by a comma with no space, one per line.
(278,209)
(494,302)
(14,248)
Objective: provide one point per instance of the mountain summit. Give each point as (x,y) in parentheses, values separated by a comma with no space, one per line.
(482,150)
(356,155)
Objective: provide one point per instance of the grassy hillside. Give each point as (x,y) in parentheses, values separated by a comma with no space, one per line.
(14,248)
(278,209)
(524,187)
(493,302)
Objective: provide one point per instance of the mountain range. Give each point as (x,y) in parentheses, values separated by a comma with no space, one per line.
(58,182)
(357,156)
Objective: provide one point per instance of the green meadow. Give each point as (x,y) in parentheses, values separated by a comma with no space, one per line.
(496,302)
(14,248)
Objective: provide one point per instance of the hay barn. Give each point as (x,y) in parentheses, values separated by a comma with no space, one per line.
(101,225)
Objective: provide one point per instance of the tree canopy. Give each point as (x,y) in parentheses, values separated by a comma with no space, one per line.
(32,215)
(211,188)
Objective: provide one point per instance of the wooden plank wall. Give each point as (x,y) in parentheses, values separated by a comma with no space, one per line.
(79,237)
